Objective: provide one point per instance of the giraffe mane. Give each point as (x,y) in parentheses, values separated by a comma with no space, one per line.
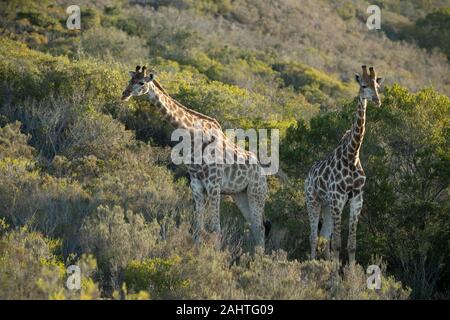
(196,113)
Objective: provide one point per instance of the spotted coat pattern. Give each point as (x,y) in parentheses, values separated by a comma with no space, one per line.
(243,181)
(339,179)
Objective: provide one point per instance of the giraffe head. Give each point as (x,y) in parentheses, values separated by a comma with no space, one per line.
(139,83)
(369,85)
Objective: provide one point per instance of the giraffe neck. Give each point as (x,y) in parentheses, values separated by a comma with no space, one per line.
(171,112)
(357,131)
(175,113)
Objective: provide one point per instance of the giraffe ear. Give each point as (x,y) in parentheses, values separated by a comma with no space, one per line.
(357,77)
(380,81)
(132,73)
(149,78)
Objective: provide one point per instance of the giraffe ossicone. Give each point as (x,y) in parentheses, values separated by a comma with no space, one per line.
(340,178)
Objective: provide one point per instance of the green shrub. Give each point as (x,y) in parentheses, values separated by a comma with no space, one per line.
(111,44)
(14,144)
(115,238)
(157,276)
(182,270)
(54,206)
(275,277)
(432,31)
(29,269)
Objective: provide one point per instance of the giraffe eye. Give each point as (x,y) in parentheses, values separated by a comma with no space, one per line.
(141,83)
(364,87)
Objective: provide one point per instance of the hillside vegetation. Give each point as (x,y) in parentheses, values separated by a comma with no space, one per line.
(86,179)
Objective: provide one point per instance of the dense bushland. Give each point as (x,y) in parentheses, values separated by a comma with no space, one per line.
(86,179)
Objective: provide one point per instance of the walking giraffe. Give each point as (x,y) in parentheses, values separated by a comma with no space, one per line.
(243,180)
(340,178)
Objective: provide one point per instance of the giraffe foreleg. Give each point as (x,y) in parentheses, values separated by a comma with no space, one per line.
(356,203)
(257,195)
(336,208)
(214,207)
(200,205)
(241,201)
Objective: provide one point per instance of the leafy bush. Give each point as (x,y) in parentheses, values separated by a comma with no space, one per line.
(54,206)
(156,276)
(14,144)
(432,31)
(116,237)
(112,44)
(42,274)
(316,86)
(275,277)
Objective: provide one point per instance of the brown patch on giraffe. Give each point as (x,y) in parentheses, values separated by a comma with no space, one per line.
(201,175)
(360,121)
(341,186)
(233,173)
(188,123)
(344,172)
(240,180)
(164,111)
(326,173)
(344,162)
(358,183)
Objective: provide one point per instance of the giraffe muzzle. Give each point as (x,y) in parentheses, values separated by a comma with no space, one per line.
(376,101)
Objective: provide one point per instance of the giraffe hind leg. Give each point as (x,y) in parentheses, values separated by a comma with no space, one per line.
(244,204)
(313,209)
(313,214)
(200,201)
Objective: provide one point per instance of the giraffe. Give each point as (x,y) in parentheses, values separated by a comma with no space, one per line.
(243,181)
(340,178)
